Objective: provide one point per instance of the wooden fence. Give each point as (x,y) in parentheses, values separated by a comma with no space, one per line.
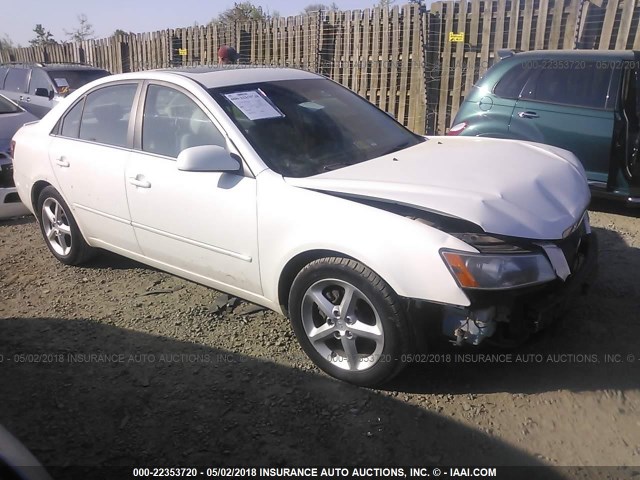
(406,60)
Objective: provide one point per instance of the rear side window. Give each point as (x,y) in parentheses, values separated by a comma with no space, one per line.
(39,79)
(513,81)
(585,85)
(105,118)
(71,123)
(17,80)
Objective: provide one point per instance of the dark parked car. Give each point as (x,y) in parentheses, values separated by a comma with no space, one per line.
(12,117)
(37,87)
(583,101)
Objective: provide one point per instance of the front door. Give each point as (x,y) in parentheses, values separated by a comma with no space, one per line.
(202,224)
(569,108)
(631,112)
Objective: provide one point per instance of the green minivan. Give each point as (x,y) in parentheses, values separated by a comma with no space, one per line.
(585,101)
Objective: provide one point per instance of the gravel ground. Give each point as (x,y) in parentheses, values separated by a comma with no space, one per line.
(114,363)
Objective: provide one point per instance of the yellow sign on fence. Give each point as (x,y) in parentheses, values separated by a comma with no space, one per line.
(182,51)
(456,37)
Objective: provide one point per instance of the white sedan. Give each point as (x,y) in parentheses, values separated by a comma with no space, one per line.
(286,189)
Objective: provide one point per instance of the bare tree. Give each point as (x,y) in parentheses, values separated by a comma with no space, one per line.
(386,3)
(43,37)
(6,43)
(243,12)
(319,7)
(84,31)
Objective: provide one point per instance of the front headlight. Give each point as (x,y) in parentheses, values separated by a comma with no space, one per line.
(495,272)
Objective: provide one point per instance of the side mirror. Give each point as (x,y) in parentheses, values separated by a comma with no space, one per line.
(43,92)
(207,158)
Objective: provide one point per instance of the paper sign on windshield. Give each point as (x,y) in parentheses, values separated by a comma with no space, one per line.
(61,82)
(254,104)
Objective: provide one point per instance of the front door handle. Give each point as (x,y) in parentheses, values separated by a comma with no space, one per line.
(62,162)
(139,183)
(528,114)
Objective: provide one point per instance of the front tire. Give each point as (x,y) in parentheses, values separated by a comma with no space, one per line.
(60,230)
(349,321)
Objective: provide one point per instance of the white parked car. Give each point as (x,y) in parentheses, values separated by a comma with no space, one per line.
(286,189)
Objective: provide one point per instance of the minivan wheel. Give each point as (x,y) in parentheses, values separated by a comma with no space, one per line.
(60,230)
(349,321)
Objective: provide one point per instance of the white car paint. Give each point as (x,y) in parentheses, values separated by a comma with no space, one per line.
(237,234)
(509,194)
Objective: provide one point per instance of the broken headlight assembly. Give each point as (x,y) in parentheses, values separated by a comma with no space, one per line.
(486,271)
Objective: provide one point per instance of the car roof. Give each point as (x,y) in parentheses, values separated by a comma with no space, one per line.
(227,75)
(213,77)
(52,66)
(582,54)
(70,66)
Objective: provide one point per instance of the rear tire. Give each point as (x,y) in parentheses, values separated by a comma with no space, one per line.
(60,230)
(349,321)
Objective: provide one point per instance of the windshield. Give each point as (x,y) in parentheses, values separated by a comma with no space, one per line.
(305,127)
(68,80)
(7,106)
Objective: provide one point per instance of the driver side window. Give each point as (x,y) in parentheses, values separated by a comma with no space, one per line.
(173,122)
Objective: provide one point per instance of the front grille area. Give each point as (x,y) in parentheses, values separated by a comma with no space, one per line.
(6,176)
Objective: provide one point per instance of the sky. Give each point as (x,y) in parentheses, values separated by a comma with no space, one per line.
(20,16)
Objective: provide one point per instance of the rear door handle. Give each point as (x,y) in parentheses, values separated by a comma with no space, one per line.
(62,162)
(139,183)
(28,99)
(528,115)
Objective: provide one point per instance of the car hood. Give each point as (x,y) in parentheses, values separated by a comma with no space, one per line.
(507,187)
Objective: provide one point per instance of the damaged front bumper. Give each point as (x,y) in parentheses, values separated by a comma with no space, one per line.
(508,317)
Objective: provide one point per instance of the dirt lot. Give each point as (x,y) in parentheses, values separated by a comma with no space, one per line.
(178,377)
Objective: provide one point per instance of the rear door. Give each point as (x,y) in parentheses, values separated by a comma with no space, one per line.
(16,84)
(566,104)
(39,104)
(89,155)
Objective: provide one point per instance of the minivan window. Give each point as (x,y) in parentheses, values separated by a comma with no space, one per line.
(39,79)
(512,82)
(69,80)
(105,118)
(16,80)
(584,85)
(3,74)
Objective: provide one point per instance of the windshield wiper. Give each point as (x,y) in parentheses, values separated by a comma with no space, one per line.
(335,166)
